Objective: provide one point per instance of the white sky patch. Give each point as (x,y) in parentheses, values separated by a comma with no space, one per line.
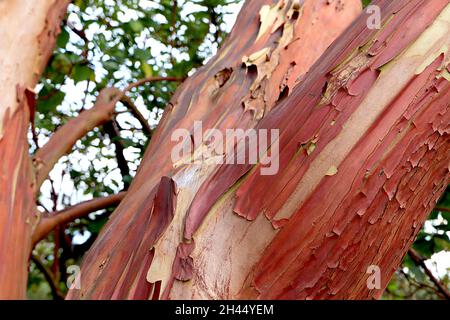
(439,264)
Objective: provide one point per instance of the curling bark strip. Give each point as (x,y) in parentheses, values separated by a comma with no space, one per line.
(28,30)
(375,108)
(364,142)
(269,49)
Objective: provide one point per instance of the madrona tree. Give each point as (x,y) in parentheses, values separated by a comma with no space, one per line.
(363,159)
(362,150)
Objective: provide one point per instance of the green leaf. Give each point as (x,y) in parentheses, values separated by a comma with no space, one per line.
(48,103)
(82,73)
(127,179)
(63,39)
(96,225)
(111,65)
(142,54)
(81,4)
(446,215)
(61,63)
(441,244)
(146,69)
(424,247)
(136,26)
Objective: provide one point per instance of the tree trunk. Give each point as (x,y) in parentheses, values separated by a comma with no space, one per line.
(28,31)
(363,157)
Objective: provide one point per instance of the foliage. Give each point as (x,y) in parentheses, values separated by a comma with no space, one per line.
(366,2)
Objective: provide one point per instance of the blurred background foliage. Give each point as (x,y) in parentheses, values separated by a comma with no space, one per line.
(107,43)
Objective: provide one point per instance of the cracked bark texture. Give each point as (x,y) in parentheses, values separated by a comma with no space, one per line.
(364,140)
(28,31)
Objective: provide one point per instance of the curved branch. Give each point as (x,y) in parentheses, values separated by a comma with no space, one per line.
(420,261)
(48,275)
(62,141)
(138,115)
(151,79)
(47,224)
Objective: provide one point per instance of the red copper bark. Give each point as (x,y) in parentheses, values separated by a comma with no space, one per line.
(259,65)
(364,141)
(27,43)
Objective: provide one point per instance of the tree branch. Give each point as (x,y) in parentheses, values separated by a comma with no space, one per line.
(80,33)
(62,141)
(48,275)
(419,286)
(113,132)
(420,261)
(151,79)
(442,209)
(138,115)
(48,223)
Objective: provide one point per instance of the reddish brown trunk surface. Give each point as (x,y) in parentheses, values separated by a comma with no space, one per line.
(363,159)
(224,94)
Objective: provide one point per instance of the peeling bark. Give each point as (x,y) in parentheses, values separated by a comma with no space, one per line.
(364,140)
(268,52)
(28,30)
(376,107)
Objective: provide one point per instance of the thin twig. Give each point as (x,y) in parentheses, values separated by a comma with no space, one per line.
(151,79)
(138,115)
(47,224)
(65,137)
(80,33)
(48,275)
(419,286)
(112,130)
(420,261)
